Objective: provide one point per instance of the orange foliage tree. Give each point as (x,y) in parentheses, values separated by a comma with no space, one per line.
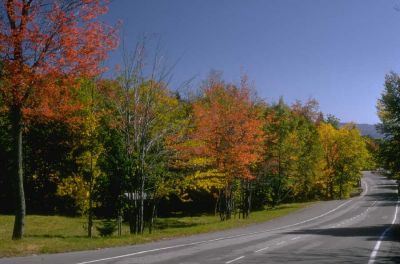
(228,132)
(45,45)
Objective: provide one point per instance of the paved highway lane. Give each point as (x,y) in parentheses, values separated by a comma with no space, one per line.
(359,230)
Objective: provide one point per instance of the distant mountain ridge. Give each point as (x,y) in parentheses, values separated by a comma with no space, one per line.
(367,130)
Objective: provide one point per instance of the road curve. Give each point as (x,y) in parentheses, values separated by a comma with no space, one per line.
(363,229)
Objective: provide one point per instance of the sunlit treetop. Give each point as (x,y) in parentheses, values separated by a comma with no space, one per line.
(45,45)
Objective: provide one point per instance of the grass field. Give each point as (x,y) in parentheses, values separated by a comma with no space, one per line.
(50,234)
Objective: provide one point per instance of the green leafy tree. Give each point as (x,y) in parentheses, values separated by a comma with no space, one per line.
(290,166)
(308,150)
(279,160)
(389,111)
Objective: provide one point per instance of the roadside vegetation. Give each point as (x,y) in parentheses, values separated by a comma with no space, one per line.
(61,234)
(129,151)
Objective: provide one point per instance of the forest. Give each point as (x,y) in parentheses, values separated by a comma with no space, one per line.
(131,147)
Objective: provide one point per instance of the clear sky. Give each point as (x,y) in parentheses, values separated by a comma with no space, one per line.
(337,52)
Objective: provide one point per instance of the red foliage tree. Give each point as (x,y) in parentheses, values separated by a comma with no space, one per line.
(230,131)
(45,45)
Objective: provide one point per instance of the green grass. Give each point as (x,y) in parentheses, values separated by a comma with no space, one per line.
(50,234)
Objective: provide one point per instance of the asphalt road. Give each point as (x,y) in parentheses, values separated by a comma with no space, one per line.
(359,230)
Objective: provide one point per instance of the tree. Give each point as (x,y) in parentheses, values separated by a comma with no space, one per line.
(278,161)
(373,147)
(88,149)
(148,113)
(345,155)
(44,47)
(333,120)
(292,151)
(389,111)
(308,150)
(227,139)
(352,158)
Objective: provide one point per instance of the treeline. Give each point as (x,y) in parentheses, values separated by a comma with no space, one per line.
(134,147)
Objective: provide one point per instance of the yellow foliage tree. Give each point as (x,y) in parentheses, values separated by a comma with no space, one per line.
(345,155)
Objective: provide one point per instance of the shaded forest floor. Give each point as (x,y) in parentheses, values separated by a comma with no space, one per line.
(51,234)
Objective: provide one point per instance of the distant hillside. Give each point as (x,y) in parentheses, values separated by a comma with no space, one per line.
(367,130)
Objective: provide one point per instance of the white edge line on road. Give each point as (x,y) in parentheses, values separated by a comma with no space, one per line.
(230,261)
(366,188)
(378,243)
(220,238)
(261,249)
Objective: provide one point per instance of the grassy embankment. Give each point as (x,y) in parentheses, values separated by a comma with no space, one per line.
(49,234)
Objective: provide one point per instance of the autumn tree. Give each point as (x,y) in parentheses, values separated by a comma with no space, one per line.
(309,150)
(289,168)
(345,155)
(278,161)
(44,46)
(227,138)
(87,149)
(147,114)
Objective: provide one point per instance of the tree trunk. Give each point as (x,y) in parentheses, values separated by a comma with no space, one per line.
(18,174)
(90,212)
(152,215)
(90,218)
(141,213)
(119,223)
(330,189)
(137,219)
(246,199)
(229,203)
(132,215)
(132,221)
(141,197)
(217,201)
(222,206)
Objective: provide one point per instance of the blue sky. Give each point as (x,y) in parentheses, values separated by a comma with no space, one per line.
(337,52)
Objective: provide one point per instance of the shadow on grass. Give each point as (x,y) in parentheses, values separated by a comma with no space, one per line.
(54,236)
(278,207)
(172,223)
